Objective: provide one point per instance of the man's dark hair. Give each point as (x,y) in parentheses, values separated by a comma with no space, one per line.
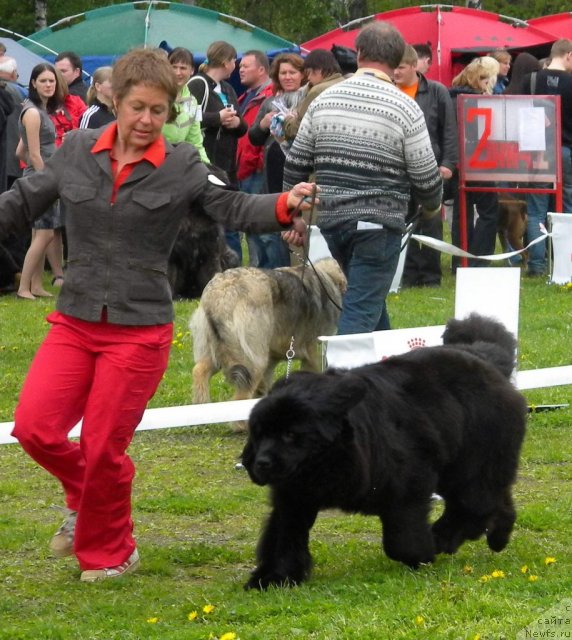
(322,60)
(73,58)
(261,58)
(423,50)
(380,42)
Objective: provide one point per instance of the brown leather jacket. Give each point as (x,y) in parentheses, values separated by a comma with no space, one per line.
(118,253)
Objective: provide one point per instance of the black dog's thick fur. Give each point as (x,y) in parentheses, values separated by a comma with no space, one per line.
(200,251)
(381,439)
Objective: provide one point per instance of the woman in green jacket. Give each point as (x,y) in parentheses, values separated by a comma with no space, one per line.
(187,125)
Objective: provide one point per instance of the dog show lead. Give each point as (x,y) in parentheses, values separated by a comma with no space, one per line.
(125,191)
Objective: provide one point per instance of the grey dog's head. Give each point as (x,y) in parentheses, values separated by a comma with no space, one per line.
(299,426)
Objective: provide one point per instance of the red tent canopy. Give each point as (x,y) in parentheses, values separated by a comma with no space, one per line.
(454,33)
(559,25)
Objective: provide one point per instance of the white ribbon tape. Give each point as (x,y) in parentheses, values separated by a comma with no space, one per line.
(452,250)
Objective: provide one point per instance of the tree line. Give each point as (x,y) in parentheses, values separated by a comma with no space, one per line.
(295,20)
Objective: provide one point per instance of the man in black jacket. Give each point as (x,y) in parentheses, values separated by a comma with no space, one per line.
(70,66)
(422,264)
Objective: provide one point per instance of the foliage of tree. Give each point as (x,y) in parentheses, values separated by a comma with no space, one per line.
(296,20)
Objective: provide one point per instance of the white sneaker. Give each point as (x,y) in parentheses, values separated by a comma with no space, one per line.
(61,544)
(129,566)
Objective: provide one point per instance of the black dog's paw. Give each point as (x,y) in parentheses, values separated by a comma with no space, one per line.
(498,539)
(413,558)
(500,527)
(447,535)
(415,561)
(261,581)
(446,541)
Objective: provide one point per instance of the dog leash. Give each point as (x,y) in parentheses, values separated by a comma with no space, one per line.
(291,352)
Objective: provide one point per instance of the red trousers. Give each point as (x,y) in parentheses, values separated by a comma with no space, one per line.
(104,373)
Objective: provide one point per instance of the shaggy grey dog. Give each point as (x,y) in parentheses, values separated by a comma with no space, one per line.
(247,316)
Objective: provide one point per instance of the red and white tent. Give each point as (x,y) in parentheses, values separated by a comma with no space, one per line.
(454,33)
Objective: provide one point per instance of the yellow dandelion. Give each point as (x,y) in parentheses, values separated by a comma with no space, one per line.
(193,616)
(419,621)
(497,573)
(484,578)
(477,636)
(467,569)
(229,635)
(152,620)
(548,561)
(524,569)
(208,608)
(532,578)
(179,334)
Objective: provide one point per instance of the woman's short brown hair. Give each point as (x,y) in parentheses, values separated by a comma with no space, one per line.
(286,58)
(147,67)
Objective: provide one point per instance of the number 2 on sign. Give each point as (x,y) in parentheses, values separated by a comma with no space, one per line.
(474,161)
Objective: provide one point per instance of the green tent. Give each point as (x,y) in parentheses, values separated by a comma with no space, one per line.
(113,30)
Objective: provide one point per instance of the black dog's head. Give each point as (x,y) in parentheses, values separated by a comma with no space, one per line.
(298,424)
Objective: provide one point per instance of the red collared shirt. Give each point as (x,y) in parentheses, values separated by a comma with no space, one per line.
(155,154)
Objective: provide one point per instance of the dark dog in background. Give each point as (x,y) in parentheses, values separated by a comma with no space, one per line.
(513,218)
(247,317)
(200,251)
(381,439)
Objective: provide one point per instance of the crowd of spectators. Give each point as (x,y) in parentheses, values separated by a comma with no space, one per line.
(249,138)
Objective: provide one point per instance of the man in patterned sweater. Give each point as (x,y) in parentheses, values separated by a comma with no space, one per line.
(368,145)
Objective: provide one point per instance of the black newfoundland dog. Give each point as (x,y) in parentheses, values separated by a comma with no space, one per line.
(381,439)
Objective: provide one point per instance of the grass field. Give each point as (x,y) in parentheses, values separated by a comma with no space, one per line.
(197,520)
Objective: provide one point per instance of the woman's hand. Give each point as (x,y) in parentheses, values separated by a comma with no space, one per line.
(300,196)
(297,234)
(265,122)
(232,123)
(227,115)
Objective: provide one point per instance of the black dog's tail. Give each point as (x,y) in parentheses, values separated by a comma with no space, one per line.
(484,337)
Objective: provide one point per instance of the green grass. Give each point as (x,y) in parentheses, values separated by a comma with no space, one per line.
(197,521)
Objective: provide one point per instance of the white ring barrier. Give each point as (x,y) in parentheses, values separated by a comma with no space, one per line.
(215,412)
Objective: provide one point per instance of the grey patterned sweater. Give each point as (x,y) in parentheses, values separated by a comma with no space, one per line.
(368,145)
